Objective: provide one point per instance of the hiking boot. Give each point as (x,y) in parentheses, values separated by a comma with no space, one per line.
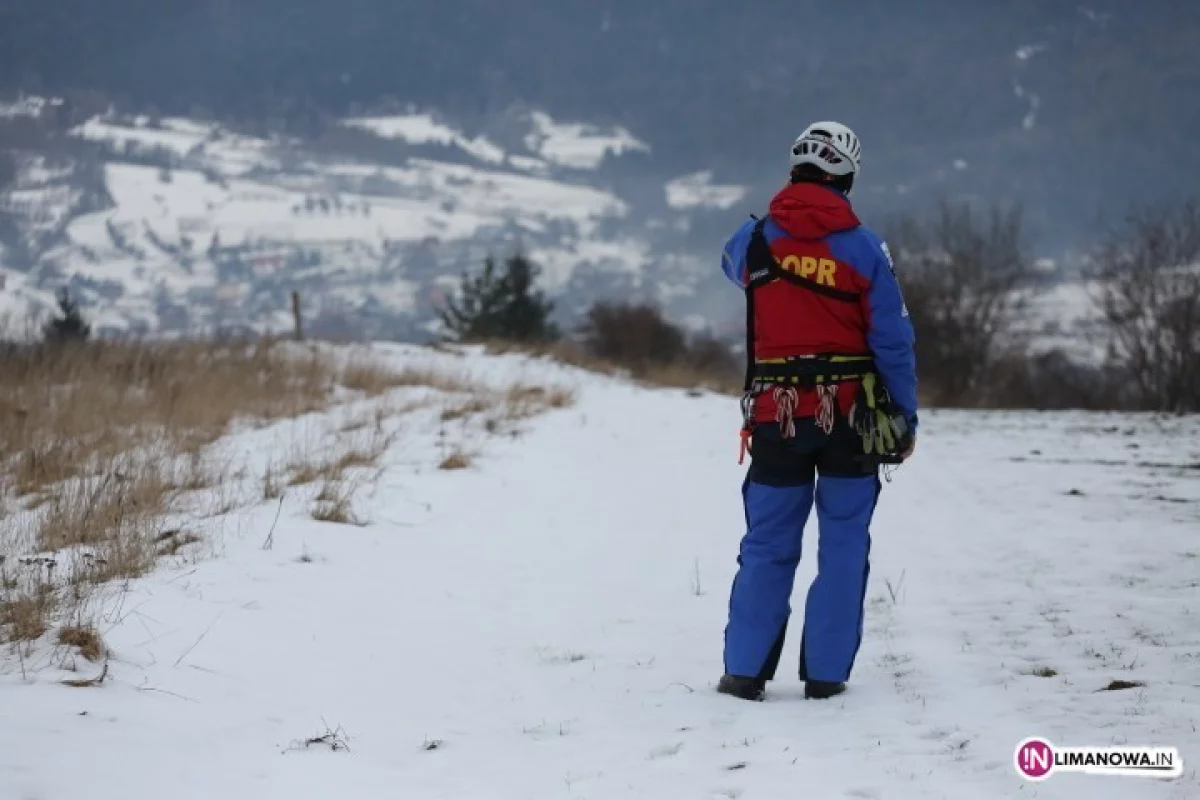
(742,687)
(822,690)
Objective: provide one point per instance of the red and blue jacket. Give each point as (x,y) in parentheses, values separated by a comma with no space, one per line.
(813,232)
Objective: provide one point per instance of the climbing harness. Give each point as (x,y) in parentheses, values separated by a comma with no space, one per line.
(784,376)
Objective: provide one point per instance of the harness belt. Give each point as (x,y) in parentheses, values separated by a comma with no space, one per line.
(809,371)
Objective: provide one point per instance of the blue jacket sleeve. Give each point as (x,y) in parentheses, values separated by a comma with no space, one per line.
(890,332)
(733,259)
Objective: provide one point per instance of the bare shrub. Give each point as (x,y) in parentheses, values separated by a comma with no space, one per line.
(1050,381)
(635,336)
(1150,273)
(711,356)
(640,339)
(957,271)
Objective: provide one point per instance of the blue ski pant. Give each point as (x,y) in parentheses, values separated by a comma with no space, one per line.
(785,477)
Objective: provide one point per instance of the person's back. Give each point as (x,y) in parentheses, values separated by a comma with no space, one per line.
(830,392)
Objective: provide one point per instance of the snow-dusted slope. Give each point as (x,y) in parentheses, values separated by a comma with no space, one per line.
(578,145)
(423,129)
(200,227)
(548,623)
(698,191)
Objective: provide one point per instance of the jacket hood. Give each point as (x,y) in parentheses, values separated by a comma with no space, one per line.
(811,211)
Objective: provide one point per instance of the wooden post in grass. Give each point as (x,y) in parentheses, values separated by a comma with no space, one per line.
(299,328)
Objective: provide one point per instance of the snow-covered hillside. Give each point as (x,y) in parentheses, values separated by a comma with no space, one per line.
(180,225)
(548,623)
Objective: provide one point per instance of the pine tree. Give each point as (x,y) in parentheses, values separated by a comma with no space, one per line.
(69,326)
(501,305)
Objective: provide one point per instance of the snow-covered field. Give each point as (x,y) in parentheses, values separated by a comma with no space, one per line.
(547,623)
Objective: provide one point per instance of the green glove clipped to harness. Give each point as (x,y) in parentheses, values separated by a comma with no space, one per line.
(884,431)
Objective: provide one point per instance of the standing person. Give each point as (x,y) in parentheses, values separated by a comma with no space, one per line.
(830,395)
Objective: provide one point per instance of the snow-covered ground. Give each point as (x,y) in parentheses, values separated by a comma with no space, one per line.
(547,623)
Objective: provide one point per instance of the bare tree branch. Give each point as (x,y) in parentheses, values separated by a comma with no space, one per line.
(1151,302)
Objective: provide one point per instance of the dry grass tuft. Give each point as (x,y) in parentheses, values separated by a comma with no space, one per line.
(196,473)
(521,402)
(364,456)
(371,378)
(476,405)
(302,472)
(374,379)
(333,504)
(455,460)
(359,453)
(26,616)
(86,638)
(271,488)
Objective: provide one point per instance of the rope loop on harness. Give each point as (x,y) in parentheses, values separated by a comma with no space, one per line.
(826,407)
(786,400)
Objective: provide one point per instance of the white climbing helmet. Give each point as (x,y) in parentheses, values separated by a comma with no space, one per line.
(831,146)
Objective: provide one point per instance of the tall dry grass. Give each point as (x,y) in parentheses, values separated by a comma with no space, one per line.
(103,445)
(60,408)
(99,441)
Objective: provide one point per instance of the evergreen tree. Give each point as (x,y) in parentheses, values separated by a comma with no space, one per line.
(501,305)
(69,325)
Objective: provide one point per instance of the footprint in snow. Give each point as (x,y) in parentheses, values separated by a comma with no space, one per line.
(666,751)
(866,793)
(936,734)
